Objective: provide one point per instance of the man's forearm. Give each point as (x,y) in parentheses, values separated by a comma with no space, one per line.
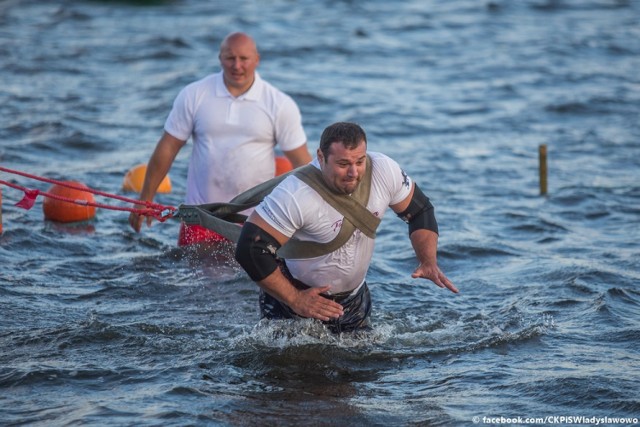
(425,245)
(279,287)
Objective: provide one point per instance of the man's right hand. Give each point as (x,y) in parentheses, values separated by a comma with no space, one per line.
(135,220)
(309,303)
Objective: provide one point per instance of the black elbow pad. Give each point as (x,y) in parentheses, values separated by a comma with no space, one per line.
(256,252)
(420,213)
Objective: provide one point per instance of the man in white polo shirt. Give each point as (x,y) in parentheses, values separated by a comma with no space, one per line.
(235,120)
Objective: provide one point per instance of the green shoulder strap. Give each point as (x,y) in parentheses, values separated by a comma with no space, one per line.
(352,207)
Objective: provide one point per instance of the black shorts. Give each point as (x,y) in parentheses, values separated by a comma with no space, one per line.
(357,308)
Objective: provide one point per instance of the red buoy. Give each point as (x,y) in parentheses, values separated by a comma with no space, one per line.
(63,211)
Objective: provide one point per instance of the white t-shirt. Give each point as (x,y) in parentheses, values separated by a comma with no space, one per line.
(233,138)
(295,209)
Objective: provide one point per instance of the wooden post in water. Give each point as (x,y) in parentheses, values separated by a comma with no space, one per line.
(542,155)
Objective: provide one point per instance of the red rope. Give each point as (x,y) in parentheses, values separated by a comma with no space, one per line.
(155,210)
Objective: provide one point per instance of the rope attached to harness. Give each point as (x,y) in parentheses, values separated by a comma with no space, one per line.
(155,210)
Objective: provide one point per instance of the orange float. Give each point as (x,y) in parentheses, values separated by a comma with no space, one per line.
(62,211)
(283,165)
(134,179)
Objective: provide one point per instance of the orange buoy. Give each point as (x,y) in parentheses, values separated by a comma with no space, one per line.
(134,179)
(283,165)
(62,211)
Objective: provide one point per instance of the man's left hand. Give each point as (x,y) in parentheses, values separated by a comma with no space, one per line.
(433,273)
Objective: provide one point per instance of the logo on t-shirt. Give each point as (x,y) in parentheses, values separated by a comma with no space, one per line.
(405,179)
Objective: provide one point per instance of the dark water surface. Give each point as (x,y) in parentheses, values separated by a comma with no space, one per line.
(103,326)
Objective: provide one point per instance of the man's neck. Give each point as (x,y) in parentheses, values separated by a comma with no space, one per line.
(236,91)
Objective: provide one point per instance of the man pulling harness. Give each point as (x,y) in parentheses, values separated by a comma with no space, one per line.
(331,286)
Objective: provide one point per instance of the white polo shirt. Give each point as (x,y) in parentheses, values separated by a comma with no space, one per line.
(233,138)
(295,209)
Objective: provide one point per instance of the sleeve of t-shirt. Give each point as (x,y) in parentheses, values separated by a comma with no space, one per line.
(179,123)
(289,131)
(280,210)
(394,179)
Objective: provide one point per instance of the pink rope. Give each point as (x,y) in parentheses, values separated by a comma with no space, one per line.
(155,210)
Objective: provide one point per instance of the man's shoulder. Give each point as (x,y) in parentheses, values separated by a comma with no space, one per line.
(384,166)
(379,159)
(295,188)
(265,85)
(271,92)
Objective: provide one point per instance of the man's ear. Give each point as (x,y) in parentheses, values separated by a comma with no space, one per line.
(319,155)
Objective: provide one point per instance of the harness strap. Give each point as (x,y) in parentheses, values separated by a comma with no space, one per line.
(224,217)
(353,207)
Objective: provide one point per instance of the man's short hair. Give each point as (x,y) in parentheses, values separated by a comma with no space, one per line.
(349,134)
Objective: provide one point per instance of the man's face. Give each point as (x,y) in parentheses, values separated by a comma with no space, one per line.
(343,169)
(239,59)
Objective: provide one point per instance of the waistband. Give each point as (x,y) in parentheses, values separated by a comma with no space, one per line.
(346,294)
(337,297)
